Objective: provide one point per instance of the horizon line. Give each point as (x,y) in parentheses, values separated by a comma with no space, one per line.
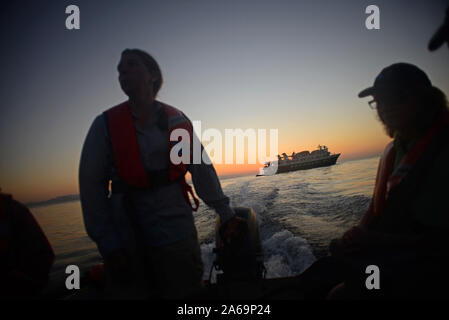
(75,197)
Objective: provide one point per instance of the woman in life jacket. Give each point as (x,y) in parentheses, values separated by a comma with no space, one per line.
(136,203)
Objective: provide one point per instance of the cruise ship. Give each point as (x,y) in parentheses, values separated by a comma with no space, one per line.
(300,161)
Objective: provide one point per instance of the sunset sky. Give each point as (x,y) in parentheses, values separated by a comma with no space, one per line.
(296,66)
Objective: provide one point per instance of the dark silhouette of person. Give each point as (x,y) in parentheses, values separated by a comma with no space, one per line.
(404,231)
(26,256)
(148,216)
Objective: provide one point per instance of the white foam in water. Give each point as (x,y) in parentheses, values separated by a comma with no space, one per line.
(286,255)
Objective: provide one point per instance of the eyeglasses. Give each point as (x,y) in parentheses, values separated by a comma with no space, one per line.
(373,104)
(388,99)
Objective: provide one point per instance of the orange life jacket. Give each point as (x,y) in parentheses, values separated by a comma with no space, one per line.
(127,157)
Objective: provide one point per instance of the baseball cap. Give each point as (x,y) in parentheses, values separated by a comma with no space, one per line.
(397,78)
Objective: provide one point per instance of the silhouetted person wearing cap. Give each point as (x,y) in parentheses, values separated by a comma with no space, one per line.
(404,231)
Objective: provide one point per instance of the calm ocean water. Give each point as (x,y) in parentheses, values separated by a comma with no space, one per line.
(299,213)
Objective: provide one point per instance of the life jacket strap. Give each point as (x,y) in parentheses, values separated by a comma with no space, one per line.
(410,159)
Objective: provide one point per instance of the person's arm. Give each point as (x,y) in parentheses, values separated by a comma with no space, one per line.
(358,238)
(428,239)
(208,188)
(400,241)
(207,185)
(94,189)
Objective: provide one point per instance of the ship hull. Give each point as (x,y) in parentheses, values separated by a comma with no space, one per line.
(295,166)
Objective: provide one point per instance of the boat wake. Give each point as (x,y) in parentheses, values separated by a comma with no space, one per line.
(285,254)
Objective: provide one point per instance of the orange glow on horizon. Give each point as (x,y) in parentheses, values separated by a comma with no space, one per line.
(36,191)
(31,187)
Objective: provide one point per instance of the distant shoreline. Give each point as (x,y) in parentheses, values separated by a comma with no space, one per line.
(57,200)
